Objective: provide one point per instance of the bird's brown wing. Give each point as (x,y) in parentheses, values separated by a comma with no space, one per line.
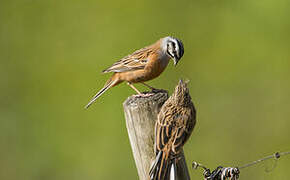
(182,134)
(135,61)
(171,130)
(163,130)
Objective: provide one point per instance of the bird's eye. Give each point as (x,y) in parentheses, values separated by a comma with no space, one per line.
(173,45)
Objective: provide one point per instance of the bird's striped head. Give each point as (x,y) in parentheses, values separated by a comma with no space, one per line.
(173,48)
(181,93)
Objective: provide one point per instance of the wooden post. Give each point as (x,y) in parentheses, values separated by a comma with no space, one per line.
(141,115)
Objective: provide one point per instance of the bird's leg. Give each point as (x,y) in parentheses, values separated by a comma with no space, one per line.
(139,93)
(152,88)
(133,87)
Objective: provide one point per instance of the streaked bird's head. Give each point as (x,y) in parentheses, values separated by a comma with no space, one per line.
(181,93)
(173,48)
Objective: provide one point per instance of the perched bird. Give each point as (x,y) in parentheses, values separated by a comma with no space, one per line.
(174,126)
(143,65)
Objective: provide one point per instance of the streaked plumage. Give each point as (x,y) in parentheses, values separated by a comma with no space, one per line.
(174,126)
(143,65)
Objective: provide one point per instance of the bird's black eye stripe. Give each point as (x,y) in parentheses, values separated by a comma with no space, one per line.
(174,49)
(173,45)
(175,53)
(169,54)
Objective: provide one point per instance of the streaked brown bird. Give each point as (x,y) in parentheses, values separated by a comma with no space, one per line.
(174,126)
(143,65)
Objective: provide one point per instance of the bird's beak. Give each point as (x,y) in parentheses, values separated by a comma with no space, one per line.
(180,82)
(175,60)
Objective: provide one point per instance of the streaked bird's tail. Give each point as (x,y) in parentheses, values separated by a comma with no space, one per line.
(107,86)
(163,168)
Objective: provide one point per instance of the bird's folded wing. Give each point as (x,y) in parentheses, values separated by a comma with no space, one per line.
(135,61)
(163,133)
(170,133)
(127,65)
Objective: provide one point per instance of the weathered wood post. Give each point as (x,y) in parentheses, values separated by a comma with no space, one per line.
(141,115)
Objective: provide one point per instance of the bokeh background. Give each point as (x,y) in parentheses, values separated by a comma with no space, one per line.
(52,52)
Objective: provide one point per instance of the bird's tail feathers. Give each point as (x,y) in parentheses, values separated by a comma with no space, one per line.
(163,167)
(110,83)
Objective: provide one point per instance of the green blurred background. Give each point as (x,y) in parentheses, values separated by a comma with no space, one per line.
(52,52)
